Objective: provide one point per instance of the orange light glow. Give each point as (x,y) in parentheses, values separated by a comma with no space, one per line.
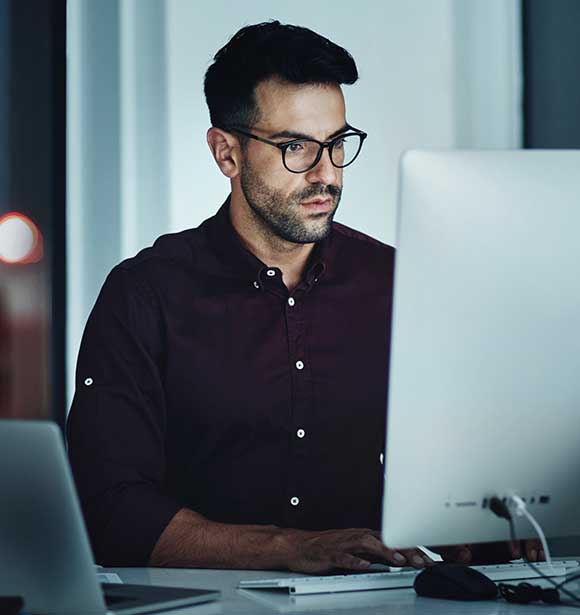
(20,240)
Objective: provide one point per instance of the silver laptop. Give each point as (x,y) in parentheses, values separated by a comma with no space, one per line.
(484,393)
(45,556)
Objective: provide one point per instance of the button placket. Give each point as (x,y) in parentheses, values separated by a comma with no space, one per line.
(301,403)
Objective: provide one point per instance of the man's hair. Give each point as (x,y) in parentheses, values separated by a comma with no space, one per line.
(268,50)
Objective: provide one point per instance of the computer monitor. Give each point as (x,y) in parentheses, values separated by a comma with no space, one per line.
(484,382)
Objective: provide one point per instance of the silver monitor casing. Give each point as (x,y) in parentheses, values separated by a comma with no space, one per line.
(484,392)
(45,555)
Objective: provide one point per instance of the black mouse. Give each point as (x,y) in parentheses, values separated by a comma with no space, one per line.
(454,582)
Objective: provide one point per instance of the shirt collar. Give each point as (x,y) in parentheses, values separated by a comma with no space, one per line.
(236,261)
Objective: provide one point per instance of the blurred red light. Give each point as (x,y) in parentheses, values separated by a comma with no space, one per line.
(21,241)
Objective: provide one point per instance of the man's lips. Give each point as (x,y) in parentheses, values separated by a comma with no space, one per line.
(318,204)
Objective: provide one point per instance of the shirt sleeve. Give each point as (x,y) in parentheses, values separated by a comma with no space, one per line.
(116,427)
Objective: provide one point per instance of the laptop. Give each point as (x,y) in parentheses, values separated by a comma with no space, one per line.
(45,554)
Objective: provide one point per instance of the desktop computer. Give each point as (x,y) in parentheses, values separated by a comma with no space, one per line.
(484,386)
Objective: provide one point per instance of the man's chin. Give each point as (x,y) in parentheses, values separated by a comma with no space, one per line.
(319,232)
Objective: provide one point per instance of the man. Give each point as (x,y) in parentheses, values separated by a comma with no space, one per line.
(231,384)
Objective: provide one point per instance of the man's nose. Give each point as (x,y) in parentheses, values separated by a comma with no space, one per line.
(324,172)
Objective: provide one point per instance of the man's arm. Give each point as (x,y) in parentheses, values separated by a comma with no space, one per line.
(116,426)
(192,541)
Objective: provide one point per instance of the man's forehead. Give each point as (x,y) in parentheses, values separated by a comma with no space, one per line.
(312,109)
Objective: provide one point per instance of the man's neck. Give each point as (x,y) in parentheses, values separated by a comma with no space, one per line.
(289,257)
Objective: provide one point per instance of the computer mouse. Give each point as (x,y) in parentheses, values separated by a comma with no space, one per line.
(454,582)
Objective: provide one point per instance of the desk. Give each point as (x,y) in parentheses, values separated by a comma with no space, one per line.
(380,602)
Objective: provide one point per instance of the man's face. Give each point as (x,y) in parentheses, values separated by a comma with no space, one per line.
(297,207)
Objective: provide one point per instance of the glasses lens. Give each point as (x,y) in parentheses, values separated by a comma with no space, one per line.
(345,150)
(300,155)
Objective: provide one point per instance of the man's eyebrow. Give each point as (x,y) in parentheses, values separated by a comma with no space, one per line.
(294,134)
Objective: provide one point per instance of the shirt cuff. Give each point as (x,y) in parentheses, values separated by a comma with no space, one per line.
(140,515)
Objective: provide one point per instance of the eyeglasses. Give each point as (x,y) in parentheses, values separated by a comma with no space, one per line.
(301,155)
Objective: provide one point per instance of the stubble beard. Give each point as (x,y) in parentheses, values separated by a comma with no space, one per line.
(281,213)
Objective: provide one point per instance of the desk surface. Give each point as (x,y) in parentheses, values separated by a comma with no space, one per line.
(246,602)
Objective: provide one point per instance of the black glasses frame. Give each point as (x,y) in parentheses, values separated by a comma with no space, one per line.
(283,147)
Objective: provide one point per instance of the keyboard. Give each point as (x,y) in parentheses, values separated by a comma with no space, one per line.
(400,577)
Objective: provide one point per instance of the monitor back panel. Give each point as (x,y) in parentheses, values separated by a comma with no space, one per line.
(484,393)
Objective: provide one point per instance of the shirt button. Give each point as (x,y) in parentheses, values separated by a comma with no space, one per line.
(291,302)
(256,285)
(299,365)
(294,501)
(88,382)
(301,433)
(271,273)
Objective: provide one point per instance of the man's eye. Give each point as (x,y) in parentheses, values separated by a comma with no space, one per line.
(339,144)
(294,148)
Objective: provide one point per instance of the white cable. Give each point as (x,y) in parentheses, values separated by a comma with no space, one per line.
(522,511)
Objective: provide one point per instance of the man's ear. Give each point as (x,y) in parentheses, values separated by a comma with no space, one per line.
(226,151)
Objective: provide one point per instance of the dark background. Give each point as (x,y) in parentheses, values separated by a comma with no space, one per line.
(33,182)
(551,41)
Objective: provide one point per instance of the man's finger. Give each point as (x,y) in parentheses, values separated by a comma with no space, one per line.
(406,557)
(515,551)
(371,547)
(417,558)
(346,561)
(532,549)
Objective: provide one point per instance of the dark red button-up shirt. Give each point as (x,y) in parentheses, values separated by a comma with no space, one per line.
(202,382)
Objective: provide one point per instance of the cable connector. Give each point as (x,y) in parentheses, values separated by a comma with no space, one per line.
(521,510)
(499,508)
(523,593)
(518,504)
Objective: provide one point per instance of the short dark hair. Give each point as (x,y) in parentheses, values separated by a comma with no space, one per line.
(269,50)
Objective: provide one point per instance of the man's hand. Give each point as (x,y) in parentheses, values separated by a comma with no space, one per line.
(351,549)
(192,541)
(531,549)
